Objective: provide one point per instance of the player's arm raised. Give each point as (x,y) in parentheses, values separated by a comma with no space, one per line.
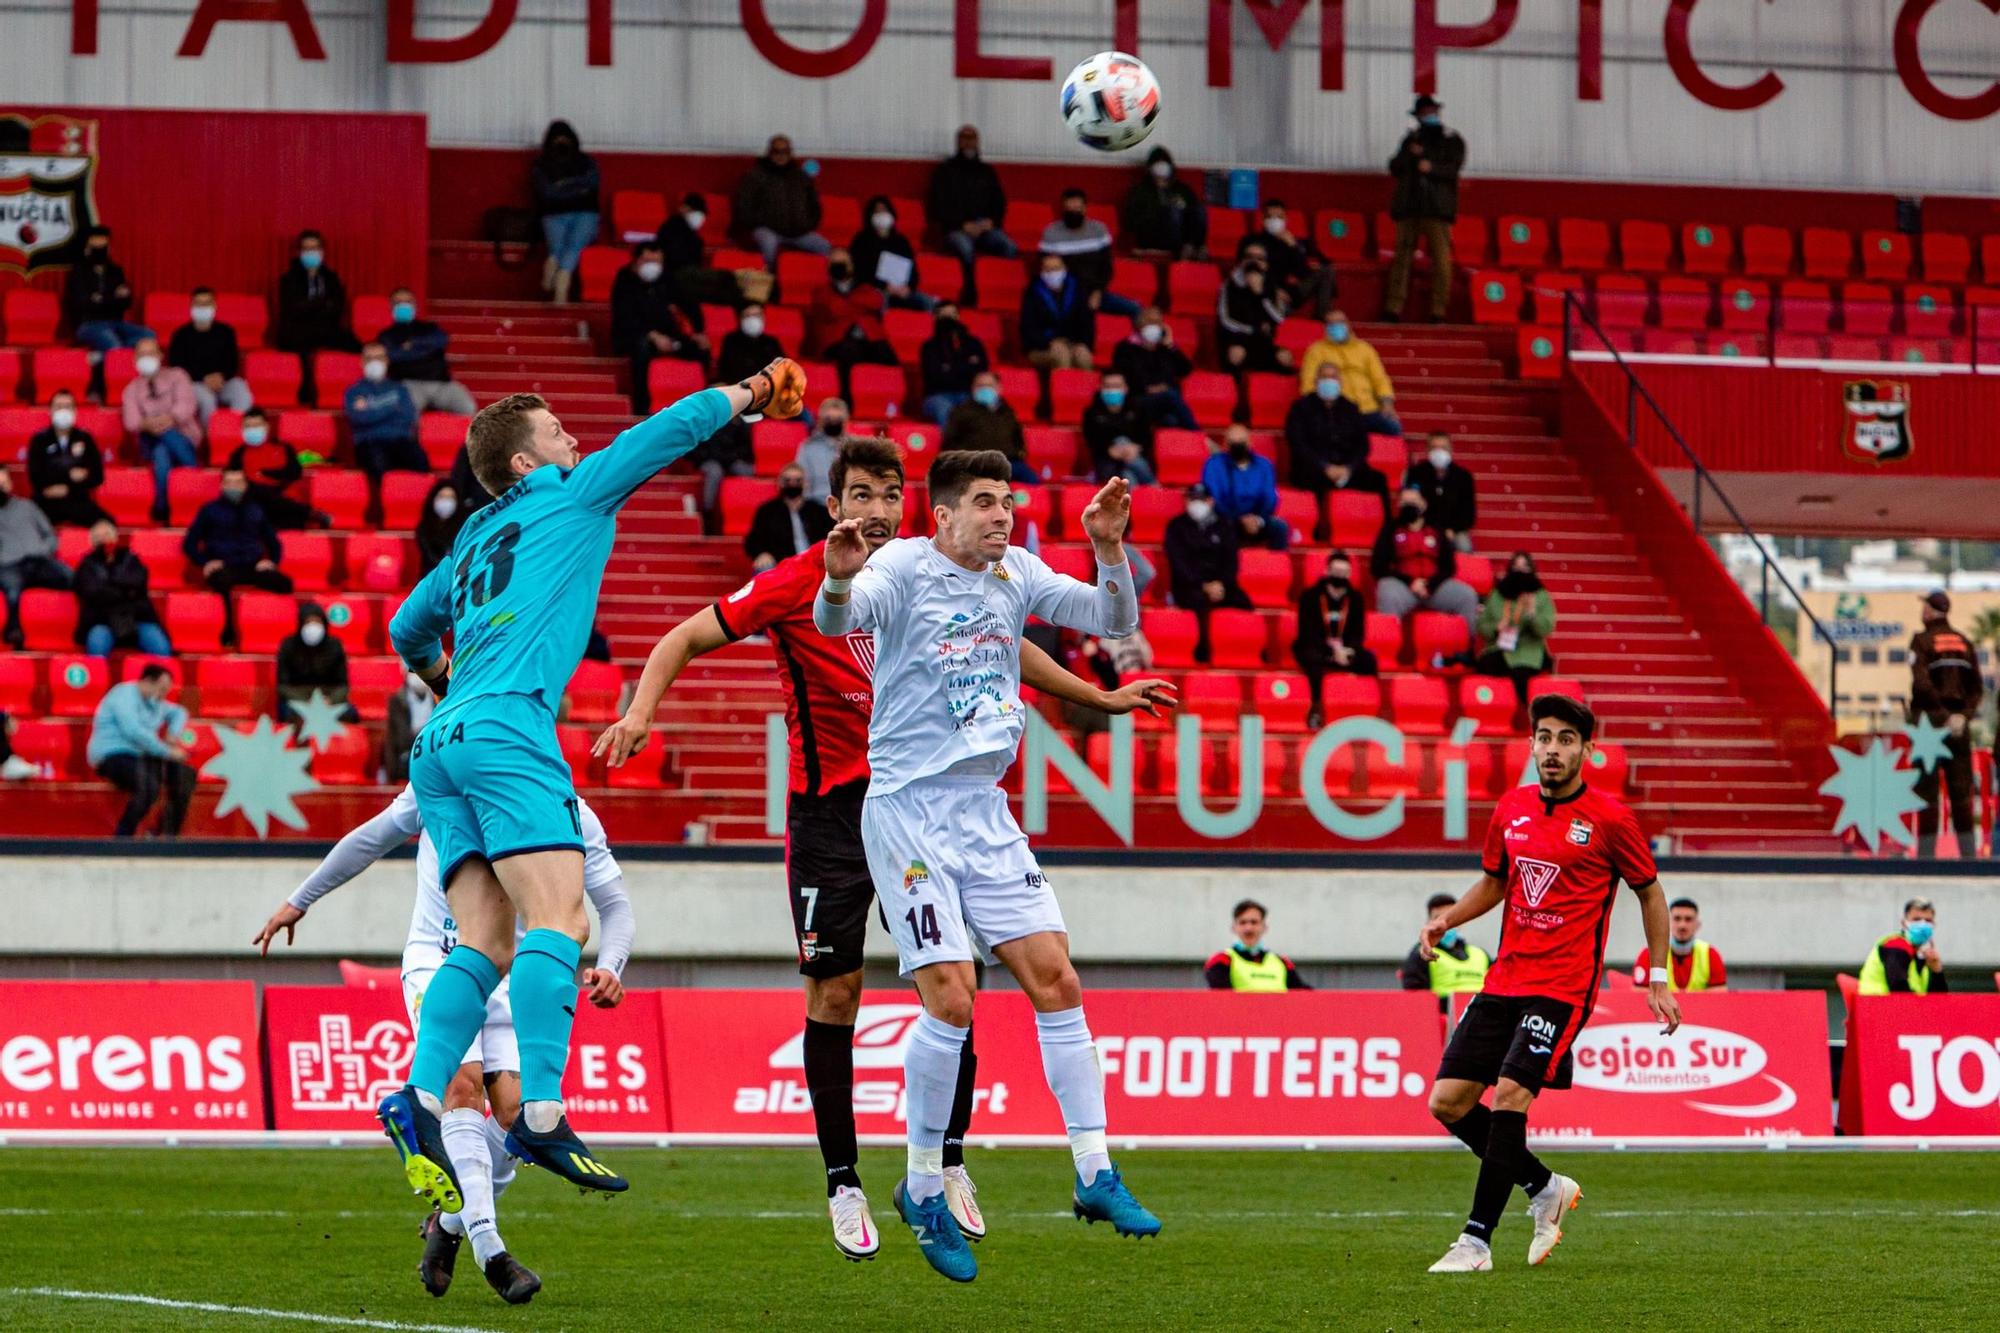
(416,632)
(700,633)
(1047,675)
(1659,992)
(835,608)
(603,481)
(361,848)
(1481,898)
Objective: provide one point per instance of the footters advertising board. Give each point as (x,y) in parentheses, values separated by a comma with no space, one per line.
(1922,1065)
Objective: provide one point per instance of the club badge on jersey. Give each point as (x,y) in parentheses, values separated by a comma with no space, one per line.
(1579,832)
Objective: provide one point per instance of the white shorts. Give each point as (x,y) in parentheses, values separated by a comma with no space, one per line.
(953,870)
(495,1048)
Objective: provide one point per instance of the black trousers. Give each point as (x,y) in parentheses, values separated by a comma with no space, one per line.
(1316,664)
(1195,599)
(231,577)
(1957,772)
(147,778)
(1494,663)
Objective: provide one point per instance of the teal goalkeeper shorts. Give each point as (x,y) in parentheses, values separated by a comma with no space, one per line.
(491,781)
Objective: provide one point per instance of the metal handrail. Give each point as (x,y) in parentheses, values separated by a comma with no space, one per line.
(1573,307)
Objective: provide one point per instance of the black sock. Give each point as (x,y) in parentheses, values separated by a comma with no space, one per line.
(1475,1128)
(830,1081)
(961,1106)
(1498,1170)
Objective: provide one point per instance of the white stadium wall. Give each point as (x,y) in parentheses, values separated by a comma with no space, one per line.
(1866,94)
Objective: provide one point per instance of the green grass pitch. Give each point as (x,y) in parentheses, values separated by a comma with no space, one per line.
(715,1238)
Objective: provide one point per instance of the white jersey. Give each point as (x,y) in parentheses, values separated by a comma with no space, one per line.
(947,672)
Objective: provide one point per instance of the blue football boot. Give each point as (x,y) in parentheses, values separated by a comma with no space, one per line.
(419,1140)
(562,1152)
(1106,1199)
(937,1235)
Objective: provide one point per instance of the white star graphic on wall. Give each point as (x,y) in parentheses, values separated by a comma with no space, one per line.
(1875,792)
(1930,744)
(261,771)
(319,721)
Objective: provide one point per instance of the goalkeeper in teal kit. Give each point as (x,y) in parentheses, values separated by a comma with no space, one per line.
(518,595)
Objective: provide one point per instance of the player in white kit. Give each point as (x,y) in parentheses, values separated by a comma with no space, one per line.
(951,867)
(490,1072)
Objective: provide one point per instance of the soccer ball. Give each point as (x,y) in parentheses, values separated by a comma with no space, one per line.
(1110,101)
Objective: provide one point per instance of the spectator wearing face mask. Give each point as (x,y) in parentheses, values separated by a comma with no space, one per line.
(1907,962)
(1328,442)
(235,546)
(409,709)
(987,421)
(1450,500)
(1424,206)
(96,297)
(272,467)
(747,348)
(1119,435)
(1058,323)
(382,419)
(417,359)
(205,348)
(818,450)
(951,358)
(695,281)
(1515,625)
(114,607)
(844,322)
(1245,487)
(1415,567)
(1332,631)
(1162,212)
(160,411)
(1297,267)
(1694,963)
(968,205)
(65,466)
(1946,687)
(311,661)
(564,179)
(1457,966)
(135,746)
(1154,367)
(777,205)
(27,554)
(646,324)
(1363,380)
(785,524)
(437,527)
(1084,245)
(1247,314)
(312,310)
(880,237)
(1202,559)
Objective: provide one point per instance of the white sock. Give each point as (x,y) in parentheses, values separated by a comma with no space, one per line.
(542,1116)
(1069,1062)
(930,1073)
(496,1151)
(465,1140)
(1467,1238)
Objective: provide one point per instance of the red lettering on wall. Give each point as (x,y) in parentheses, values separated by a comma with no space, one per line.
(1680,57)
(597,28)
(1428,37)
(814,64)
(406,48)
(1910,66)
(1125,27)
(83,27)
(1590,50)
(291,13)
(1332,45)
(1276,18)
(969,62)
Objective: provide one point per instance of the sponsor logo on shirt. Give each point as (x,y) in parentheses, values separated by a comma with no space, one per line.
(1536,877)
(918,873)
(1579,832)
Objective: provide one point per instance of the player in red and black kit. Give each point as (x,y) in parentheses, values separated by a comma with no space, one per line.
(828,699)
(1555,853)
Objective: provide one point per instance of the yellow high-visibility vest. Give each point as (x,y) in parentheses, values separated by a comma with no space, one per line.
(1875,976)
(1265,976)
(1452,976)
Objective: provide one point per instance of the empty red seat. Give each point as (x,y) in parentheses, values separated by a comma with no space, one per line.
(1470,240)
(1496,296)
(378,562)
(878,390)
(774,444)
(799,276)
(1476,572)
(1866,309)
(1266,577)
(1299,511)
(20,682)
(264,620)
(1767,251)
(60,369)
(576,743)
(1885,255)
(1584,243)
(371,314)
(669,379)
(1805,307)
(1947,257)
(1216,697)
(1153,507)
(1383,637)
(403,495)
(738,501)
(597,268)
(11,368)
(233,686)
(1192,286)
(1706,248)
(54,744)
(1070,391)
(636,215)
(1235,638)
(1521,242)
(194,621)
(1685,303)
(1137,280)
(309,560)
(1389,455)
(999,282)
(1548,291)
(1051,451)
(1435,634)
(1622,301)
(1342,234)
(370,682)
(345,759)
(1798,347)
(1541,685)
(1745,304)
(1355,519)
(313,434)
(1271,396)
(1845,347)
(273,377)
(188,489)
(76,683)
(1644,246)
(1418,703)
(1343,695)
(1282,700)
(1179,456)
(441,434)
(1928,312)
(1211,396)
(246,313)
(1172,632)
(342,494)
(1020,386)
(1828,252)
(120,369)
(1608,768)
(127,495)
(642,772)
(593,692)
(1385,777)
(18,425)
(28,317)
(1489,701)
(354,619)
(333,373)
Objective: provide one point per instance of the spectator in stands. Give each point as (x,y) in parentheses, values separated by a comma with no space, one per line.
(968,205)
(1084,245)
(206,349)
(235,546)
(785,524)
(951,357)
(65,466)
(1332,630)
(695,281)
(1515,625)
(1202,563)
(134,745)
(1693,963)
(96,297)
(747,348)
(987,421)
(437,527)
(114,608)
(311,661)
(1119,435)
(1245,486)
(1247,315)
(844,322)
(1424,206)
(417,360)
(409,709)
(1363,380)
(879,236)
(1058,321)
(645,322)
(1297,267)
(818,450)
(1450,501)
(1328,442)
(727,453)
(1246,965)
(273,469)
(1907,962)
(1154,367)
(27,553)
(564,179)
(1945,687)
(382,419)
(1415,566)
(777,205)
(312,310)
(1163,212)
(159,409)
(1457,966)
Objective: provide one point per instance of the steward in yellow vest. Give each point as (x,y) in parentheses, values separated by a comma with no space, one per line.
(1906,963)
(1246,965)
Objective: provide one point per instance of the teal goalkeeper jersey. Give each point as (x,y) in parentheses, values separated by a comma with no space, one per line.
(519,590)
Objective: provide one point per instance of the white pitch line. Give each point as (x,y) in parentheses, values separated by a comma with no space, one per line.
(210,1307)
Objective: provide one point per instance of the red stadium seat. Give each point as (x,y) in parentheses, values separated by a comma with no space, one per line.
(1685,303)
(1541,685)
(28,317)
(194,621)
(1434,634)
(1521,242)
(1418,703)
(370,682)
(1355,519)
(1299,511)
(1192,287)
(1622,301)
(53,744)
(1546,291)
(1384,637)
(20,682)
(11,376)
(341,494)
(1745,305)
(1266,576)
(597,268)
(1584,244)
(1153,507)
(60,368)
(48,618)
(1389,455)
(1496,296)
(1070,391)
(1226,227)
(1767,251)
(729,256)
(234,686)
(354,621)
(345,759)
(264,620)
(669,378)
(1021,387)
(593,692)
(273,377)
(1051,451)
(76,683)
(1282,700)
(309,560)
(403,495)
(1346,695)
(1885,255)
(1470,238)
(1342,234)
(120,369)
(999,282)
(1706,248)
(370,315)
(245,312)
(441,434)
(738,501)
(907,331)
(1385,778)
(636,215)
(1489,701)
(1929,312)
(879,391)
(1947,257)
(1608,768)
(1236,638)
(164,312)
(1799,347)
(1644,246)
(1211,396)
(1216,697)
(1137,280)
(1271,396)
(774,444)
(576,743)
(1476,572)
(1867,309)
(313,434)
(378,562)
(1179,456)
(799,276)
(642,772)
(1075,561)
(18,425)
(1805,307)
(1031,505)
(1842,347)
(1828,252)
(1172,632)
(333,374)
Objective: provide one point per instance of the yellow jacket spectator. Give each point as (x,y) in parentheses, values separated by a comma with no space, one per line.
(1363,381)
